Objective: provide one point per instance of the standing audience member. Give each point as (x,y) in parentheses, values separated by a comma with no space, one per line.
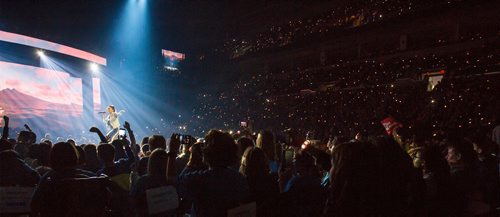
(47,199)
(400,183)
(14,171)
(487,174)
(263,186)
(462,160)
(219,188)
(243,143)
(195,163)
(352,184)
(265,141)
(183,158)
(156,177)
(155,142)
(195,159)
(91,161)
(438,191)
(43,160)
(81,157)
(119,173)
(304,194)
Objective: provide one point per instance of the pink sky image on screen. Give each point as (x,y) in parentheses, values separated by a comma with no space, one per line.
(48,85)
(36,95)
(96,84)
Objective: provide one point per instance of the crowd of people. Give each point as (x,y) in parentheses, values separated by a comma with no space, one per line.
(354,14)
(367,175)
(327,153)
(333,99)
(413,134)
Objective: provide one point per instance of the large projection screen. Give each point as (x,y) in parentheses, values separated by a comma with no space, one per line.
(39,97)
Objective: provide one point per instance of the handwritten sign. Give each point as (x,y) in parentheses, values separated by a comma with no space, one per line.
(162,199)
(16,199)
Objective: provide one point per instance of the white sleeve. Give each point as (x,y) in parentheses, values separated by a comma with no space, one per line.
(120,112)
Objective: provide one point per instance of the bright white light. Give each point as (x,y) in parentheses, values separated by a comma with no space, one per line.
(40,53)
(93,67)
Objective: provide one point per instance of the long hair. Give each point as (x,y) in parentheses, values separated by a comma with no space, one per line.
(220,149)
(265,141)
(196,157)
(44,154)
(157,165)
(157,141)
(243,143)
(254,163)
(352,181)
(91,155)
(63,156)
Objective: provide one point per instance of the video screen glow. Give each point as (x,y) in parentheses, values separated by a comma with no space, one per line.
(39,96)
(96,84)
(173,55)
(172,59)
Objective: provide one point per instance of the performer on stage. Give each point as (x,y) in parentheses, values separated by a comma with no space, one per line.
(112,123)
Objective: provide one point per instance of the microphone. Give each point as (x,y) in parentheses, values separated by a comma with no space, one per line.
(101,112)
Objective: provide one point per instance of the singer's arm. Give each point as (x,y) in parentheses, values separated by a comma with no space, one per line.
(120,113)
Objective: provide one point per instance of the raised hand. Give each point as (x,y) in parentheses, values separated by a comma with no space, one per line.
(5,132)
(99,133)
(94,129)
(126,125)
(28,128)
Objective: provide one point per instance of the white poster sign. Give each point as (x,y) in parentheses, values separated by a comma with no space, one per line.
(162,199)
(15,199)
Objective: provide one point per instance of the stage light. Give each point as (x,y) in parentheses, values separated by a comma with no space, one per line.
(93,67)
(40,53)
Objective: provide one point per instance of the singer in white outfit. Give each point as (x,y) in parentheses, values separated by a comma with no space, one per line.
(112,122)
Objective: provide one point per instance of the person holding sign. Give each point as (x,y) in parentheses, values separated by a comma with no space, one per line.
(153,194)
(50,198)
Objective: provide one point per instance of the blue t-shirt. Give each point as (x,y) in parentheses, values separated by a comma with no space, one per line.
(274,166)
